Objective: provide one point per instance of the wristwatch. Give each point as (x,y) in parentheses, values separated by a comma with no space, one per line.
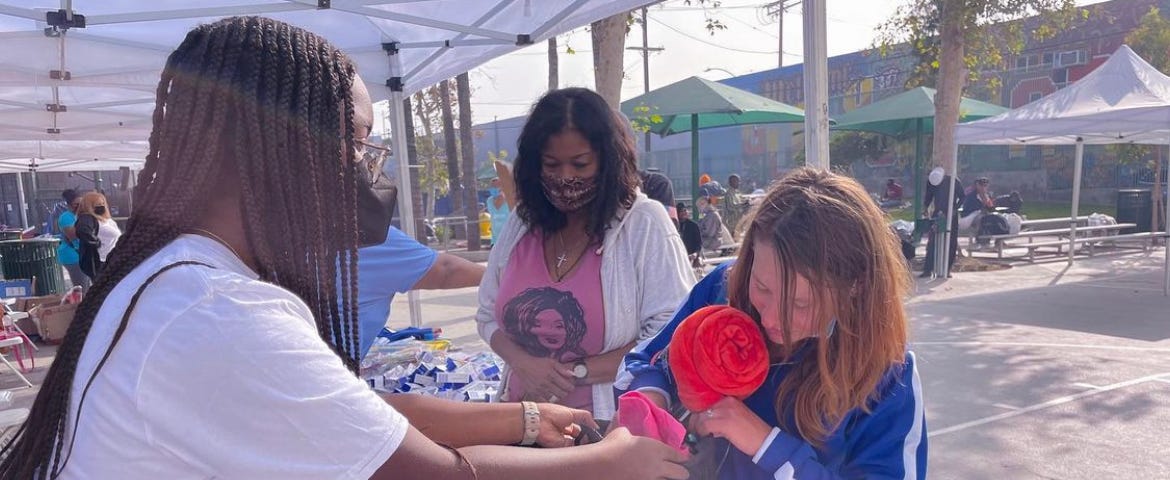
(580,370)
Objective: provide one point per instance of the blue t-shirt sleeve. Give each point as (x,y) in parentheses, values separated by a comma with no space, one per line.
(66,220)
(393,267)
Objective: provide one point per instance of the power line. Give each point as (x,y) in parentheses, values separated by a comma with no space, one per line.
(716,45)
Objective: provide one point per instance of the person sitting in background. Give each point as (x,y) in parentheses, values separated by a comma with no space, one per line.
(560,301)
(977,201)
(398,265)
(692,235)
(892,197)
(715,233)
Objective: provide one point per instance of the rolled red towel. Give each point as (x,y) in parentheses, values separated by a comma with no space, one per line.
(717,351)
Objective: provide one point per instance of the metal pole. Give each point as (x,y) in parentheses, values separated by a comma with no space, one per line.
(942,262)
(918,169)
(398,128)
(496,133)
(646,72)
(780,33)
(1165,229)
(816,86)
(694,159)
(1076,199)
(20,198)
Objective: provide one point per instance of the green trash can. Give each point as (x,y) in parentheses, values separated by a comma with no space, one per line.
(35,258)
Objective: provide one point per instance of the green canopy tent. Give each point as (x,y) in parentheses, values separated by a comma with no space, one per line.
(910,113)
(696,104)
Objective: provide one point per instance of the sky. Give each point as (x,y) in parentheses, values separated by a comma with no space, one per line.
(506,87)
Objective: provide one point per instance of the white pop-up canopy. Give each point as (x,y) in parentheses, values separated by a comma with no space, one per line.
(94,79)
(1125,100)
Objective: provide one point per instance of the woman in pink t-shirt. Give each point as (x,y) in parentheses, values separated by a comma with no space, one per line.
(587,266)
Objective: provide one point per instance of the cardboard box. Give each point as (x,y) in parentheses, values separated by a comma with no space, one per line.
(54,321)
(26,304)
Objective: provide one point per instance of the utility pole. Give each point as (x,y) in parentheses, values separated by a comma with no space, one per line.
(645,49)
(776,10)
(646,70)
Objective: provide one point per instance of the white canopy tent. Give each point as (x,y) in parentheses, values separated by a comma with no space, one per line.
(87,69)
(1125,100)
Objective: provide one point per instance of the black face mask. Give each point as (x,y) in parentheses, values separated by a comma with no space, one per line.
(99,210)
(376,199)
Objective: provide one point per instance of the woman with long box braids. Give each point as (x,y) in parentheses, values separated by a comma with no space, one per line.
(220,340)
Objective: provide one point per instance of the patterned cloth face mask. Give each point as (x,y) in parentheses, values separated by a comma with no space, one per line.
(569,194)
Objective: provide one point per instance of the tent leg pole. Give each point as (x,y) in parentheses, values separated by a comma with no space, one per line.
(694,160)
(405,208)
(918,169)
(1166,228)
(20,198)
(1076,199)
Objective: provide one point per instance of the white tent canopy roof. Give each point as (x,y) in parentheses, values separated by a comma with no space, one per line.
(1125,100)
(70,155)
(114,61)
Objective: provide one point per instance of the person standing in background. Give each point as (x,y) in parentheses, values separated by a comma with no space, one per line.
(69,250)
(657,187)
(96,231)
(734,206)
(937,189)
(497,207)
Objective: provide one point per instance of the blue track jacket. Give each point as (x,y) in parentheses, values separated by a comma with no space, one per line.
(887,443)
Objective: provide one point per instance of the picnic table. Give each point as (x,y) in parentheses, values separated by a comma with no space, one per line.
(1090,236)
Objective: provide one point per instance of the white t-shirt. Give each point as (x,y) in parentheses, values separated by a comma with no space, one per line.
(220,375)
(108,233)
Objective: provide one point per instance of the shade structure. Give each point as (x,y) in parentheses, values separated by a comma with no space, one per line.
(1125,100)
(898,115)
(62,78)
(695,104)
(70,155)
(910,113)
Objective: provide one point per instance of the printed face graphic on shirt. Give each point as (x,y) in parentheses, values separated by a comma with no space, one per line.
(546,322)
(549,329)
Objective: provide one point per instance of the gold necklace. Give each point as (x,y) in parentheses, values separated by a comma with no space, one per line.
(215,237)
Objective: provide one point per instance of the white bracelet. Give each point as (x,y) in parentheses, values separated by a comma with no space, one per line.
(531,423)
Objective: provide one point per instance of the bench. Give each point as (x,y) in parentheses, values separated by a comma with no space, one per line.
(1058,220)
(1000,241)
(1145,238)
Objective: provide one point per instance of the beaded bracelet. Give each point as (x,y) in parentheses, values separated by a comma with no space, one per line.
(531,423)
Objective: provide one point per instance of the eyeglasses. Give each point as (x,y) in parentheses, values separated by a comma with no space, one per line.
(372,156)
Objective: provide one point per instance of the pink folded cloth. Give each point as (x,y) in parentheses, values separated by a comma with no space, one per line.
(645,419)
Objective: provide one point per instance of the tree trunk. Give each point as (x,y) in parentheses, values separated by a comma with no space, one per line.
(609,43)
(952,75)
(467,145)
(553,64)
(455,187)
(416,204)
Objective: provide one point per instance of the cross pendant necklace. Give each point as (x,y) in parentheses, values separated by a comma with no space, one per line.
(564,256)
